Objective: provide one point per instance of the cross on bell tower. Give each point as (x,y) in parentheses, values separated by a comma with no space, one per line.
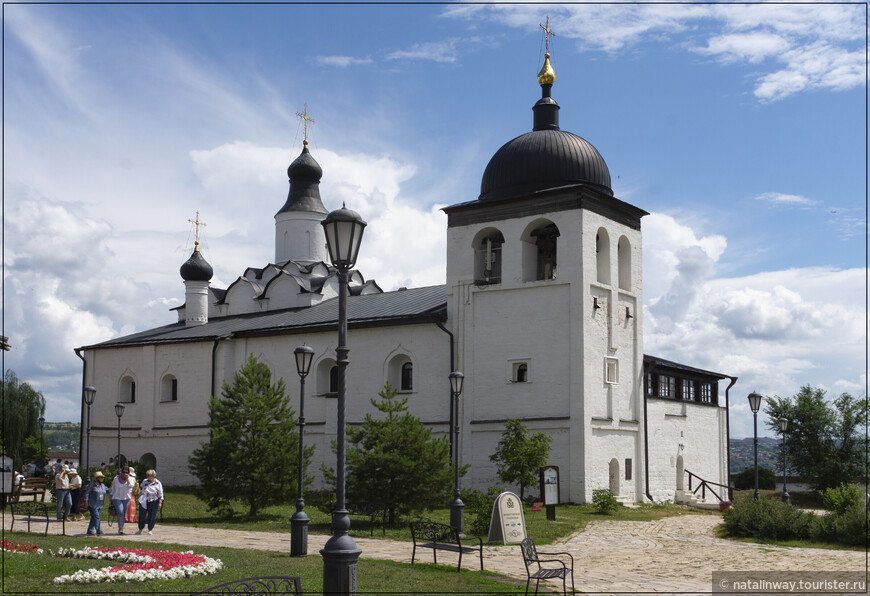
(305,119)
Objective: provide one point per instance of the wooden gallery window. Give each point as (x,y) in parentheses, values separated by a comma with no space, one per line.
(706,393)
(650,385)
(688,390)
(667,386)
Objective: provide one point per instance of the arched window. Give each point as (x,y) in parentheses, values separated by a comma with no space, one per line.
(127,392)
(407,383)
(487,256)
(327,378)
(539,251)
(169,388)
(522,374)
(602,256)
(623,255)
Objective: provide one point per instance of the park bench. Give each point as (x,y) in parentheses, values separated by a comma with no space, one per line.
(374,514)
(31,487)
(258,585)
(437,536)
(31,511)
(535,571)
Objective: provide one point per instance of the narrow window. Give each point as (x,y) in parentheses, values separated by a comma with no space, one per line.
(602,256)
(174,389)
(546,251)
(521,373)
(133,392)
(628,468)
(169,389)
(623,256)
(407,383)
(333,379)
(487,258)
(611,370)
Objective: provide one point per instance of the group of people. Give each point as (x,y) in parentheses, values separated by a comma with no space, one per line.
(150,500)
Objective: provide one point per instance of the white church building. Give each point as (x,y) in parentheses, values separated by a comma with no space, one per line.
(541,311)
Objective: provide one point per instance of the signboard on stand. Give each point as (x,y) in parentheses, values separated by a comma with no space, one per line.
(508,523)
(550,489)
(6,475)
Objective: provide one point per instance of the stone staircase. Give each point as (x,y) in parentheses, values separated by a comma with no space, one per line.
(685,497)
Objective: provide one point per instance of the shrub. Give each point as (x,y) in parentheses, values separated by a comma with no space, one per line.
(745,480)
(767,519)
(841,499)
(604,501)
(849,527)
(478,509)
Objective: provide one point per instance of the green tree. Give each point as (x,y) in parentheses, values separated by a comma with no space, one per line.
(824,442)
(394,461)
(746,479)
(254,447)
(519,455)
(32,451)
(23,406)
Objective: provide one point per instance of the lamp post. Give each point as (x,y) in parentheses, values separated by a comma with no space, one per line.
(783,426)
(299,521)
(41,421)
(344,230)
(754,404)
(90,393)
(456,506)
(119,411)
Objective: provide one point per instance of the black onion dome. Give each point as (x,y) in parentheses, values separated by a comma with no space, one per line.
(304,174)
(196,268)
(545,158)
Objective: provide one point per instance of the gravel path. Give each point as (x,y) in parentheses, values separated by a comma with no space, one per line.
(672,555)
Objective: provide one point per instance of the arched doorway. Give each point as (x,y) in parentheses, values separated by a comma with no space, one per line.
(614,476)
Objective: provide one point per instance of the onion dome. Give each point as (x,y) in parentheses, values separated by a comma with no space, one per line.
(545,158)
(196,268)
(304,174)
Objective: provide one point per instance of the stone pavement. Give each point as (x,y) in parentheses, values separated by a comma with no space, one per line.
(672,555)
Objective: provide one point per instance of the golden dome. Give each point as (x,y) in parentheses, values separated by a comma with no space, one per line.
(547,76)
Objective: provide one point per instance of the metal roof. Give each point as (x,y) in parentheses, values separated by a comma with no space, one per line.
(662,363)
(398,307)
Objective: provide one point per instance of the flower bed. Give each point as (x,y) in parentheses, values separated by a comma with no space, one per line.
(11,547)
(137,564)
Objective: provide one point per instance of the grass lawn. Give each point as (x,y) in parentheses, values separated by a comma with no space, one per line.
(183,508)
(33,574)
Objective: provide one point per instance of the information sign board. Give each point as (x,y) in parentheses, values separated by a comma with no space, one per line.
(508,523)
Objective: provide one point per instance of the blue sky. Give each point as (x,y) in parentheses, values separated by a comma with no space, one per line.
(740,128)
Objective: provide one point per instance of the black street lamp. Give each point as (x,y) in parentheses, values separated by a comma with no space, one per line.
(754,404)
(119,411)
(41,421)
(456,506)
(299,521)
(344,230)
(783,426)
(90,393)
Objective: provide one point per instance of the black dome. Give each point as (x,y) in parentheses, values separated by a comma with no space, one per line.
(196,268)
(304,174)
(545,158)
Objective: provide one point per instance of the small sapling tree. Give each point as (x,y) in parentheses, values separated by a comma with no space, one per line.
(520,455)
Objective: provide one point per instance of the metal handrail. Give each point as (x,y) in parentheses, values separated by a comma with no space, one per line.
(705,485)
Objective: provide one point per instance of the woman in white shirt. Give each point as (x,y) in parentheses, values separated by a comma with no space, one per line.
(120,495)
(150,500)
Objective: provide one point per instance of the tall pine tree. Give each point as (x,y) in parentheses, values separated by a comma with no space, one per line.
(394,461)
(254,447)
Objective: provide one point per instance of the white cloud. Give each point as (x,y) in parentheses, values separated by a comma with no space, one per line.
(778,198)
(750,47)
(437,51)
(342,61)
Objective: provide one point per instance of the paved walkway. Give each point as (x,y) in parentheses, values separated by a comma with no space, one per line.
(672,555)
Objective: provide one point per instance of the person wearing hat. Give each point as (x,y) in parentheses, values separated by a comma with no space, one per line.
(95,495)
(61,491)
(75,493)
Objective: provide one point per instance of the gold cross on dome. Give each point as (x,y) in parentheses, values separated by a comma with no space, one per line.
(197,223)
(305,120)
(547,32)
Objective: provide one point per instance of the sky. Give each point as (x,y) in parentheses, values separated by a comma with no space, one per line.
(741,129)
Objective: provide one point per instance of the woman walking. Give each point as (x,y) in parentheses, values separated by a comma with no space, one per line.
(150,500)
(75,491)
(95,495)
(132,518)
(121,491)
